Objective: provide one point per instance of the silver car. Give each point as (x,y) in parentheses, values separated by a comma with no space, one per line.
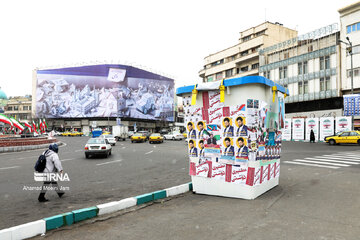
(110,138)
(97,146)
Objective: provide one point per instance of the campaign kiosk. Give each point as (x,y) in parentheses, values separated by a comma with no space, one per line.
(234,132)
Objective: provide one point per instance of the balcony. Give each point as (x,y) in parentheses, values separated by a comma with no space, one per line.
(247,57)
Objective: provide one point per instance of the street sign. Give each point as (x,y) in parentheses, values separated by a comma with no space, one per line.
(352,105)
(93,124)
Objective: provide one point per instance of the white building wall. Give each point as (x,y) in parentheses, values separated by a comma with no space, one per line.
(316,85)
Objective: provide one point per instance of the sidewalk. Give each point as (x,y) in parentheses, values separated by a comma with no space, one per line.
(308,204)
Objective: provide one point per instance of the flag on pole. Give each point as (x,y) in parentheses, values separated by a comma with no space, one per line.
(45,124)
(34,127)
(27,124)
(17,124)
(5,119)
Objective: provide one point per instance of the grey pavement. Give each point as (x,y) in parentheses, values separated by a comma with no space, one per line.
(309,203)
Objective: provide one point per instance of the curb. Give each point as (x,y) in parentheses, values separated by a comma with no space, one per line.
(26,148)
(40,227)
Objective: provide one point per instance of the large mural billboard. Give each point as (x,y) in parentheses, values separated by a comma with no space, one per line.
(104,91)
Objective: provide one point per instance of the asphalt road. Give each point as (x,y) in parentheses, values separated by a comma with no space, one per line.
(139,168)
(132,169)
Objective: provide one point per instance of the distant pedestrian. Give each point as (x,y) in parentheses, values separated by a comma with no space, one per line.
(312,136)
(53,165)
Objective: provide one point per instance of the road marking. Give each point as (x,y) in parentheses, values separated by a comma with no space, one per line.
(339,158)
(123,147)
(80,150)
(148,152)
(318,162)
(99,164)
(9,167)
(64,160)
(328,160)
(313,165)
(343,157)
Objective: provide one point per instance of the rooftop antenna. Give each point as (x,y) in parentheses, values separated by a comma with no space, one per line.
(265,14)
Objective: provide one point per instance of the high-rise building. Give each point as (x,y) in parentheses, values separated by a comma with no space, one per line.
(242,59)
(309,66)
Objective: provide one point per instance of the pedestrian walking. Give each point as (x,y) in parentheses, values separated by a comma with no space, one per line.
(312,136)
(53,165)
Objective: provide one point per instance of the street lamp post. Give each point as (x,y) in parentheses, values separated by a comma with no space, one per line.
(351,73)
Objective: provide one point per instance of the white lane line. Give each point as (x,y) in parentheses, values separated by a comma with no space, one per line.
(9,167)
(99,164)
(326,163)
(342,156)
(64,160)
(79,150)
(148,152)
(312,165)
(123,147)
(330,160)
(339,158)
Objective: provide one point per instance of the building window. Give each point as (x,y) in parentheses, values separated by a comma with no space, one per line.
(9,108)
(29,107)
(219,76)
(283,72)
(267,74)
(244,53)
(310,48)
(237,70)
(325,84)
(247,38)
(210,78)
(260,33)
(244,69)
(255,66)
(16,108)
(300,68)
(353,27)
(306,87)
(286,55)
(25,108)
(217,62)
(305,67)
(356,72)
(228,73)
(300,88)
(325,62)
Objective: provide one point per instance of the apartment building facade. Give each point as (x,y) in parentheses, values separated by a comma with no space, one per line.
(19,107)
(242,59)
(309,66)
(350,28)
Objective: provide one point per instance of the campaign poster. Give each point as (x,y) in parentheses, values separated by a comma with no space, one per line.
(202,132)
(298,129)
(214,99)
(201,148)
(239,173)
(192,149)
(326,127)
(215,115)
(240,126)
(241,150)
(238,110)
(342,124)
(227,127)
(287,130)
(227,151)
(218,171)
(281,109)
(191,131)
(202,169)
(257,176)
(312,124)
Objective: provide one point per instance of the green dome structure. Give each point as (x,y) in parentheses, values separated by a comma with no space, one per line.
(2,95)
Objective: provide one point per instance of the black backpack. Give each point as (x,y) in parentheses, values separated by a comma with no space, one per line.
(41,162)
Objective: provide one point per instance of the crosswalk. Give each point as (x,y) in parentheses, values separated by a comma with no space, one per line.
(332,161)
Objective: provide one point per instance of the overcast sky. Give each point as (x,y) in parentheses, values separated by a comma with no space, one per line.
(171,37)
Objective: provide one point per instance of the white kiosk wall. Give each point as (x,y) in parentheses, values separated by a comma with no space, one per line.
(343,124)
(298,128)
(287,130)
(326,127)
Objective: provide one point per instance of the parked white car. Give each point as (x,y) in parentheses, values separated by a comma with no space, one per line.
(174,136)
(97,146)
(110,138)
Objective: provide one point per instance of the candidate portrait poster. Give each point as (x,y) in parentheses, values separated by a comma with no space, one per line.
(326,127)
(298,129)
(312,124)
